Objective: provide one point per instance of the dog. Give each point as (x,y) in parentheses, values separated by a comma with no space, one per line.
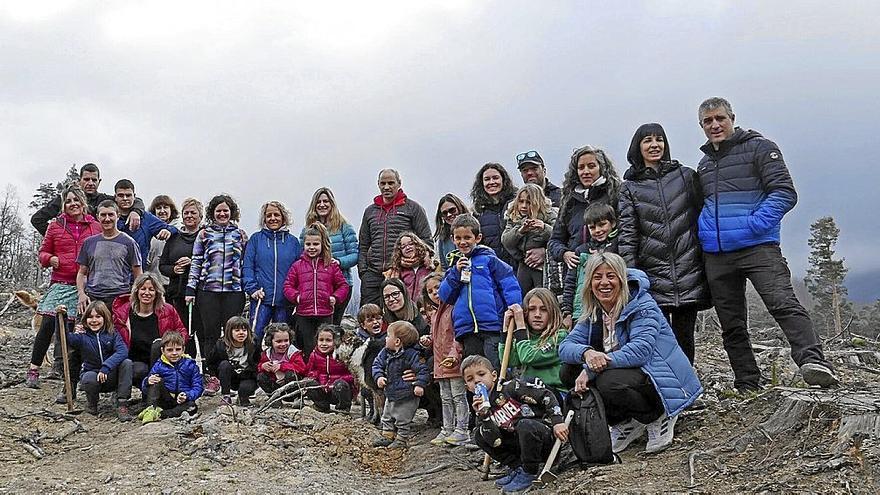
(30,300)
(358,355)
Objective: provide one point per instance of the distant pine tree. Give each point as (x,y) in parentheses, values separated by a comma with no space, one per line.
(825,278)
(47,191)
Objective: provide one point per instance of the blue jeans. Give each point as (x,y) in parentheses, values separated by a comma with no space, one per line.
(267,314)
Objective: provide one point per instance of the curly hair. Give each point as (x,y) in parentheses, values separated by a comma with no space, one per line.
(539,204)
(478,192)
(164,199)
(397,253)
(443,229)
(285,213)
(606,170)
(234,213)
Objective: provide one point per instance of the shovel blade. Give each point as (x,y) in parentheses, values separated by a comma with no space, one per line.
(547,477)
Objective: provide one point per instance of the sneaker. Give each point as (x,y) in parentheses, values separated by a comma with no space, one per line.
(624,434)
(57,371)
(226,400)
(817,374)
(92,407)
(32,379)
(521,482)
(440,439)
(383,441)
(122,413)
(660,434)
(61,398)
(507,478)
(457,439)
(399,443)
(212,385)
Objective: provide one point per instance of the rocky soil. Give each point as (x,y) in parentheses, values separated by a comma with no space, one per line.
(785,439)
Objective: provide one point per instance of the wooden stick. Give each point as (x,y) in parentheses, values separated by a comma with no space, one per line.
(195,337)
(508,342)
(62,331)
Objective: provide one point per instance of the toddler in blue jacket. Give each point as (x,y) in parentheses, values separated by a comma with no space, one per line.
(174,382)
(480,287)
(401,397)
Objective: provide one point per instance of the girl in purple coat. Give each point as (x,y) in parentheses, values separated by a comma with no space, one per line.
(314,285)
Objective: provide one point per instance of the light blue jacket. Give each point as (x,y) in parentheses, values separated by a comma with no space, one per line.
(645,341)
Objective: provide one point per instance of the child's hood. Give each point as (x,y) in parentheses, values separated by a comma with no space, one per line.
(291,350)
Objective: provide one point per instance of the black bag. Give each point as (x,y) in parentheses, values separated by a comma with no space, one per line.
(588,432)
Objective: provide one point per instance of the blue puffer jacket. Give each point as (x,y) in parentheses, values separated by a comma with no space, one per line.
(102,351)
(344,245)
(480,305)
(267,259)
(182,376)
(392,365)
(747,191)
(150,226)
(646,341)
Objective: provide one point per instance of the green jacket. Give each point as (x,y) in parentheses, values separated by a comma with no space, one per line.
(535,360)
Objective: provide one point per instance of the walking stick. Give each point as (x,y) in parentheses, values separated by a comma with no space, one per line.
(508,342)
(189,307)
(68,390)
(256,314)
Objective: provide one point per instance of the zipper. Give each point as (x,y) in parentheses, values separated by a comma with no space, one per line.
(471,305)
(223,268)
(100,351)
(669,232)
(717,226)
(384,237)
(275,271)
(315,290)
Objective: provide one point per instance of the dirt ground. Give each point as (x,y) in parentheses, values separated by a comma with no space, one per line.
(785,439)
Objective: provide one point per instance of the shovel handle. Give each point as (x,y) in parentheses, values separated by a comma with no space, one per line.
(555,451)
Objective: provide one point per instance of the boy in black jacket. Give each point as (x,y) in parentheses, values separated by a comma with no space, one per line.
(515,428)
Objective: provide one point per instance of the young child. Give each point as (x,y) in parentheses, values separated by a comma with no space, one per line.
(530,219)
(401,397)
(105,363)
(174,383)
(601,220)
(447,358)
(489,288)
(313,284)
(517,427)
(234,361)
(539,331)
(411,262)
(371,329)
(370,322)
(281,362)
(335,380)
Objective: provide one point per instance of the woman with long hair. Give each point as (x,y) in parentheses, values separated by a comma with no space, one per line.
(449,207)
(164,208)
(491,192)
(343,239)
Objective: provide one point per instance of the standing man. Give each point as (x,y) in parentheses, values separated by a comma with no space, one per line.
(108,262)
(532,169)
(747,191)
(89,180)
(150,225)
(390,214)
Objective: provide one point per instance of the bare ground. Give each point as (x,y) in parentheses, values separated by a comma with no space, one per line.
(786,439)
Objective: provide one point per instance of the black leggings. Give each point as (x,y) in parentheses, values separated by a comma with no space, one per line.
(628,393)
(245,383)
(339,309)
(216,308)
(682,320)
(306,335)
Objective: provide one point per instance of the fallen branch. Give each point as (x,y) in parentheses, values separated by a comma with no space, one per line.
(70,430)
(32,448)
(11,298)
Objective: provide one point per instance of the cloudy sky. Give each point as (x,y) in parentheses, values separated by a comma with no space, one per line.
(270,100)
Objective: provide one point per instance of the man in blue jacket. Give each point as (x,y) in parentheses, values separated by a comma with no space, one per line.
(150,225)
(747,191)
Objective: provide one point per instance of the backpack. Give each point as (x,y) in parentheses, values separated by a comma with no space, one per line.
(588,432)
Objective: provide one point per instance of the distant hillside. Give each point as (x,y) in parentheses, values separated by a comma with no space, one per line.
(863,287)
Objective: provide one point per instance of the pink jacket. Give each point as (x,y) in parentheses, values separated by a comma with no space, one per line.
(64,238)
(445,345)
(310,283)
(326,370)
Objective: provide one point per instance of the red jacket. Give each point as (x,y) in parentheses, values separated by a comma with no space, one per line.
(168,318)
(326,370)
(444,343)
(310,283)
(292,362)
(64,238)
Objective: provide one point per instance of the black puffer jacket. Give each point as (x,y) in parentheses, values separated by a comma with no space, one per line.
(658,231)
(492,225)
(382,225)
(569,231)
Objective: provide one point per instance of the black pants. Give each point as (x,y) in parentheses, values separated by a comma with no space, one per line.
(768,271)
(269,384)
(159,396)
(140,369)
(371,292)
(339,394)
(339,309)
(307,333)
(179,304)
(528,445)
(245,382)
(628,393)
(528,277)
(682,319)
(44,338)
(216,308)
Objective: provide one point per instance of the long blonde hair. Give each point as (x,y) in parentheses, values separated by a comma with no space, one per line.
(554,322)
(539,205)
(591,306)
(139,282)
(318,229)
(335,220)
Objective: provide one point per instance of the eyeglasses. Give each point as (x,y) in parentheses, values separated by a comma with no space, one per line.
(392,295)
(448,212)
(528,154)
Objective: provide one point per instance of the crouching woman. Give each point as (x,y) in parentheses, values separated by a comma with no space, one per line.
(624,348)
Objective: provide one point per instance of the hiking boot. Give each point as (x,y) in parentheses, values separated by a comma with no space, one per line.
(57,371)
(507,478)
(457,438)
(440,439)
(660,434)
(624,434)
(122,413)
(61,398)
(399,443)
(521,482)
(385,440)
(212,385)
(226,400)
(32,378)
(817,374)
(92,407)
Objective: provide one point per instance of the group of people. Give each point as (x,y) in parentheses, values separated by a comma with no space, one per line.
(599,281)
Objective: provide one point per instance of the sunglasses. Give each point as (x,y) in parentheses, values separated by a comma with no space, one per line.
(528,154)
(448,212)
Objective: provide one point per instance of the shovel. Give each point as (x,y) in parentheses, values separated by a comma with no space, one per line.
(546,477)
(508,343)
(68,390)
